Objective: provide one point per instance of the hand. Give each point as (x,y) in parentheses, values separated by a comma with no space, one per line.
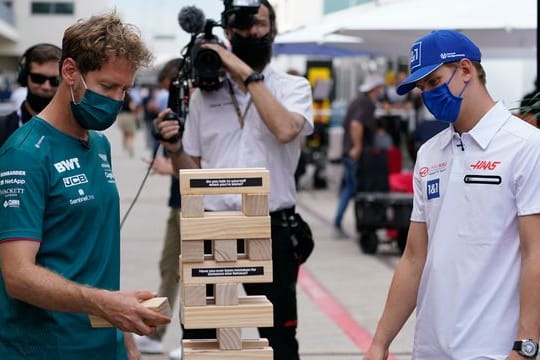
(168,130)
(354,154)
(124,310)
(161,166)
(376,353)
(238,69)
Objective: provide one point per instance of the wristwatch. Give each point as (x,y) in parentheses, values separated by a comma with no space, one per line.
(526,348)
(254,76)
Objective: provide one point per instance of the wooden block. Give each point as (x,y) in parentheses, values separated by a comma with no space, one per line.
(225,250)
(251,311)
(223,225)
(158,304)
(192,251)
(224,181)
(208,350)
(255,204)
(199,344)
(229,338)
(193,295)
(226,294)
(212,272)
(192,206)
(259,249)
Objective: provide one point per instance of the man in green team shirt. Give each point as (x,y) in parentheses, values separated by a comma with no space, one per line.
(59,209)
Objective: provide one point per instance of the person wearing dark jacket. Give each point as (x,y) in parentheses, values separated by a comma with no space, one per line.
(38,71)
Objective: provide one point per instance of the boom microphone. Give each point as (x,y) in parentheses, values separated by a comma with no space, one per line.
(191,19)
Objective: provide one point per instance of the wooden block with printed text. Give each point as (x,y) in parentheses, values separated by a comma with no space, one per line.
(224,181)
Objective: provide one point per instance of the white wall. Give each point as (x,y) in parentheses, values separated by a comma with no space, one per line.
(509,79)
(46,28)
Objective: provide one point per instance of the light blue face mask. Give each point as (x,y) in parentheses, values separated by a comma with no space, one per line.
(95,111)
(442,103)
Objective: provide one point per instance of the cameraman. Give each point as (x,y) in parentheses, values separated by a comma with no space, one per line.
(254,120)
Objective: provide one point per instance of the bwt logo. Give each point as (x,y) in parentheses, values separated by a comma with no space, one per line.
(75,180)
(66,165)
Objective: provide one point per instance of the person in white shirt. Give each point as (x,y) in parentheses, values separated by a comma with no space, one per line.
(254,119)
(470,267)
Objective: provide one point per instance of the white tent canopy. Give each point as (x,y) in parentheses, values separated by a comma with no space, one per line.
(388,27)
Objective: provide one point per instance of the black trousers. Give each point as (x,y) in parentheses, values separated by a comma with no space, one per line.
(281,293)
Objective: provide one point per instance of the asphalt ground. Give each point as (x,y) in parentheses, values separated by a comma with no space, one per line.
(341,291)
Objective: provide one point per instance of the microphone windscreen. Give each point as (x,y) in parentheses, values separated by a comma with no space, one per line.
(191,19)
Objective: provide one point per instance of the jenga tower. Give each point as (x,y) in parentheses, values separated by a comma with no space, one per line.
(225,268)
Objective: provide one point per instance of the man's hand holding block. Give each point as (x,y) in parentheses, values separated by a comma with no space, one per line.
(158,304)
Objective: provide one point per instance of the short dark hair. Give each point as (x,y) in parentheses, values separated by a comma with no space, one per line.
(43,53)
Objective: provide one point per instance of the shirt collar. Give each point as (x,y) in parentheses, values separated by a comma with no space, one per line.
(484,131)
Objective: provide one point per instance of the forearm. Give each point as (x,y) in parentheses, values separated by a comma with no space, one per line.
(400,303)
(181,160)
(43,288)
(529,315)
(285,125)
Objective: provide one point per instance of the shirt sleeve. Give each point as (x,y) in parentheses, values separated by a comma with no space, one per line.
(299,100)
(23,184)
(418,211)
(527,178)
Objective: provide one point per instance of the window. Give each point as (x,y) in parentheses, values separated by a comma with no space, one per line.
(336,5)
(52,8)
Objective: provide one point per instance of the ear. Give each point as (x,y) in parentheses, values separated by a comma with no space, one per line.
(69,71)
(467,69)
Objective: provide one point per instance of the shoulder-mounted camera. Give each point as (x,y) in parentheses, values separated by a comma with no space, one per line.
(204,65)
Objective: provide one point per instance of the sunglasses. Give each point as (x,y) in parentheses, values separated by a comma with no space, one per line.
(40,79)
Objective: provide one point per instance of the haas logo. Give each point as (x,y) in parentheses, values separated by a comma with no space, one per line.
(485,165)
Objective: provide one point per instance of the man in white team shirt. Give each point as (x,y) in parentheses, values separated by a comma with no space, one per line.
(471,266)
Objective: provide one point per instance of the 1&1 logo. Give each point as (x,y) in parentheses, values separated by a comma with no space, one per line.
(433,189)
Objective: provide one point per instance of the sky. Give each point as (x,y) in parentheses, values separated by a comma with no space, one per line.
(158,22)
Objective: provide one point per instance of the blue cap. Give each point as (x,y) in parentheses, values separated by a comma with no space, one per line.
(433,50)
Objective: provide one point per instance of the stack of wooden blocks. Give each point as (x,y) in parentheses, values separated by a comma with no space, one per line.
(225,268)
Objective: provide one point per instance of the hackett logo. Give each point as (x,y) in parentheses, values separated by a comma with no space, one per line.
(65,165)
(485,165)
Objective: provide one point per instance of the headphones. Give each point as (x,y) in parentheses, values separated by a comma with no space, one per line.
(24,64)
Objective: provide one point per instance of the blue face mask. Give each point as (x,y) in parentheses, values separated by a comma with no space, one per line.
(442,103)
(95,111)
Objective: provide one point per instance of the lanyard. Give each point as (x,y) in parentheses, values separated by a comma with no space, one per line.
(241,117)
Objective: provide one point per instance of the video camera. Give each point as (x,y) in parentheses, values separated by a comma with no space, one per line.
(204,66)
(201,67)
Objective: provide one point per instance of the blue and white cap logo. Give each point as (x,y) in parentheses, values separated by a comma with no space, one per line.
(416,55)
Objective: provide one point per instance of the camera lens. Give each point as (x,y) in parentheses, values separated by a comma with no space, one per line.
(207,62)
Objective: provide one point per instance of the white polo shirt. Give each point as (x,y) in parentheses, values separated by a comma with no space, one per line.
(470,200)
(214,134)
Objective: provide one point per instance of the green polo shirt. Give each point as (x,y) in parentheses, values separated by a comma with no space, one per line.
(60,192)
